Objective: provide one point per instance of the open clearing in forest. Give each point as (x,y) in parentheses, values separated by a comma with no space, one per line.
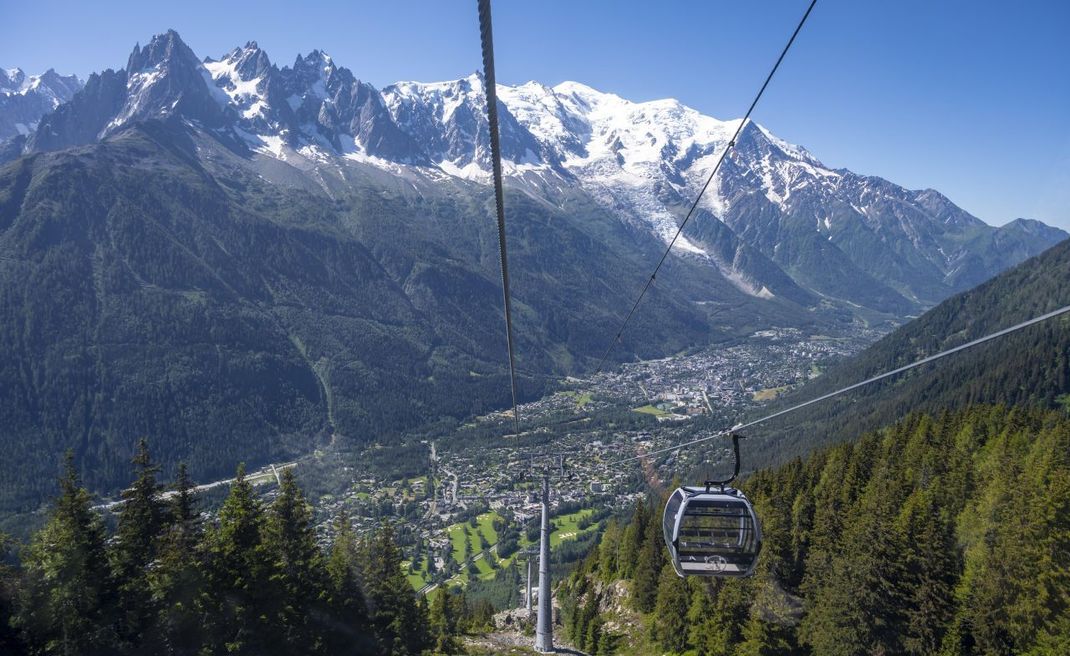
(769,394)
(651,410)
(487,562)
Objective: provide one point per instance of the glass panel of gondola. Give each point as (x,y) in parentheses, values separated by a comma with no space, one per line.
(668,519)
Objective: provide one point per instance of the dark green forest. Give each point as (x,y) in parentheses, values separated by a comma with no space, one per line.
(943,534)
(254,581)
(1028,367)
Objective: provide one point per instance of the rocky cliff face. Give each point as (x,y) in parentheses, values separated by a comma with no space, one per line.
(24,99)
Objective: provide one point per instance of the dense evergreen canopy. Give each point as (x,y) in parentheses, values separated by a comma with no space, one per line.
(946,534)
(1031,367)
(253,582)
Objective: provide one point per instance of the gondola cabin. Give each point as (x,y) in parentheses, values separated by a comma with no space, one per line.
(712,532)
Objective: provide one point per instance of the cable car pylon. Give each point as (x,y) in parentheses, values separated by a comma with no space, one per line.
(544,630)
(527,589)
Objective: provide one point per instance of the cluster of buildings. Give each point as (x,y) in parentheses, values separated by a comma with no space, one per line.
(561,434)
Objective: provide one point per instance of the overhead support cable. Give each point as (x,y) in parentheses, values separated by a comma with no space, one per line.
(694,206)
(487,40)
(868,381)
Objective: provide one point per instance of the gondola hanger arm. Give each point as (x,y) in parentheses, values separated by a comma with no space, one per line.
(735,472)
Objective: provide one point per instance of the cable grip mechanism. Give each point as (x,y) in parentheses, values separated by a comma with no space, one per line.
(721,483)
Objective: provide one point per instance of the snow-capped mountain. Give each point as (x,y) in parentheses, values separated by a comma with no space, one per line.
(251,259)
(311,104)
(24,99)
(776,222)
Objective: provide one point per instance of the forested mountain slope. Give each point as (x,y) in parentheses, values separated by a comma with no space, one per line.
(157,285)
(777,222)
(242,262)
(1028,367)
(944,534)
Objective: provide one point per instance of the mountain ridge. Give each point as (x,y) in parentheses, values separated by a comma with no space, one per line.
(24,100)
(164,289)
(1031,367)
(776,221)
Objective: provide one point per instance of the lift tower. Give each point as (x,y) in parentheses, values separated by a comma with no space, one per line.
(544,632)
(527,590)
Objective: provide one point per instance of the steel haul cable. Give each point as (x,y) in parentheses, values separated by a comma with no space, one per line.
(724,153)
(487,41)
(844,390)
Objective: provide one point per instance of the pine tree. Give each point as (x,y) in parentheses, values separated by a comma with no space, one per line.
(177,580)
(396,618)
(183,514)
(586,615)
(348,630)
(931,568)
(998,544)
(861,608)
(607,551)
(648,565)
(442,622)
(594,639)
(10,642)
(297,569)
(482,616)
(1043,606)
(1024,560)
(67,605)
(459,613)
(632,541)
(699,612)
(670,628)
(238,592)
(141,518)
(723,629)
(764,638)
(1054,640)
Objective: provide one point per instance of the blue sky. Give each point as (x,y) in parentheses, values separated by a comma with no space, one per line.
(968,97)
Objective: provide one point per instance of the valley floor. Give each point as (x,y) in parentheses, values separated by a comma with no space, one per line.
(450,491)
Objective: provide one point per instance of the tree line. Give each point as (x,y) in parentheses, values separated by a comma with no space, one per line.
(945,534)
(252,581)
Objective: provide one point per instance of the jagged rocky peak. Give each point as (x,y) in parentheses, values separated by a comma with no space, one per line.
(449,118)
(313,79)
(315,73)
(25,99)
(62,87)
(165,78)
(12,79)
(315,60)
(167,48)
(50,85)
(249,62)
(252,84)
(761,143)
